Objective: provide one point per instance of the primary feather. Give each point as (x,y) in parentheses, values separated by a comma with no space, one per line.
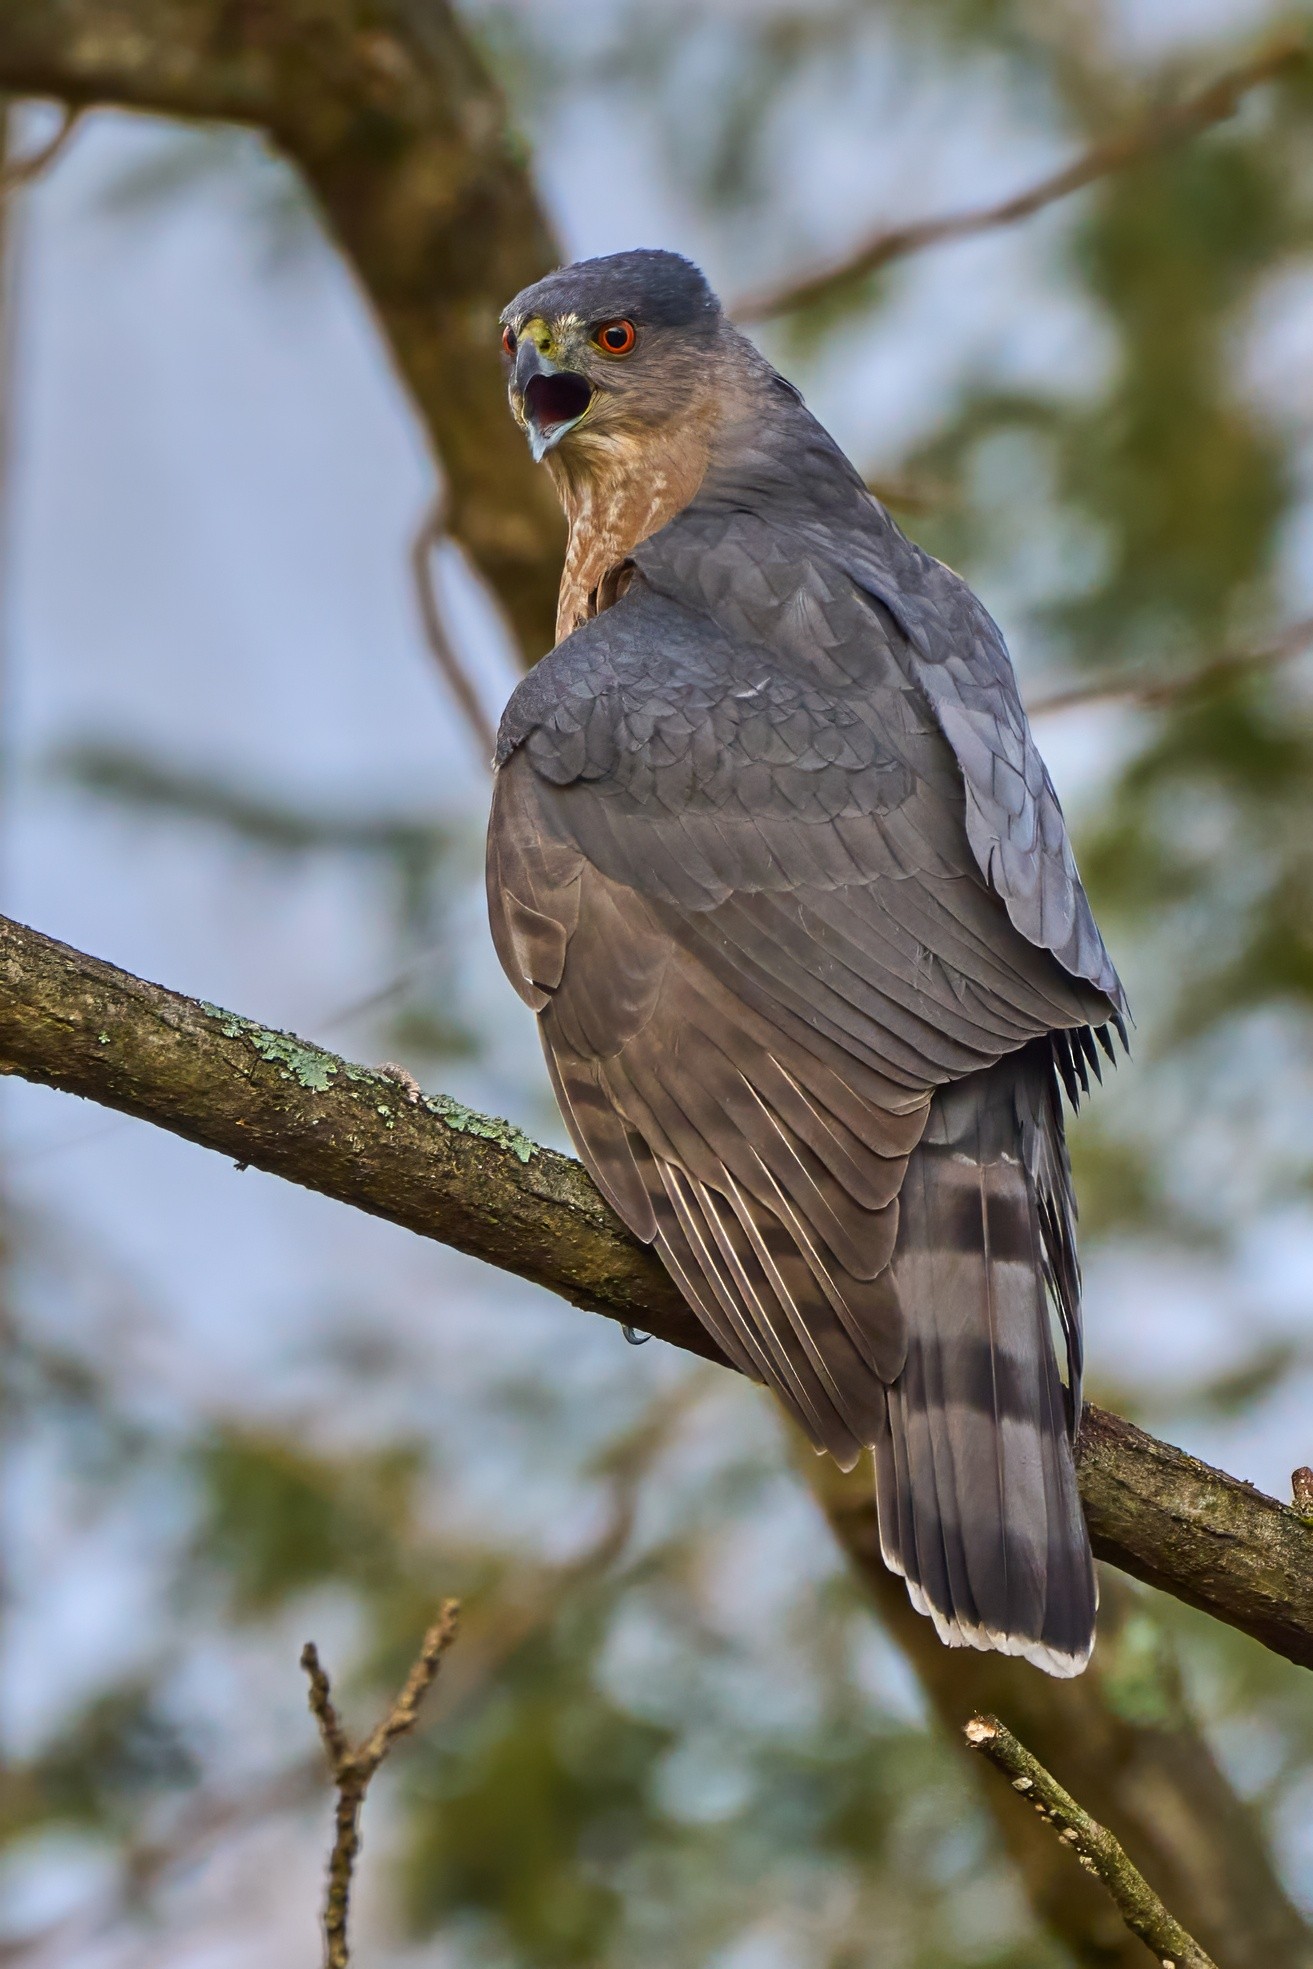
(775,860)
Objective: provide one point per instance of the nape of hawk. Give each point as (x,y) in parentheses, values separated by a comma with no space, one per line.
(775,860)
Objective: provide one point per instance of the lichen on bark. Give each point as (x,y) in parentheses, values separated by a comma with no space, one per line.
(436,1167)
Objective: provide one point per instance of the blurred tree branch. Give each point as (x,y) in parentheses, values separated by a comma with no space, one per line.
(70,1021)
(19,171)
(1162,129)
(432,532)
(1214,672)
(398,129)
(392,118)
(353,1768)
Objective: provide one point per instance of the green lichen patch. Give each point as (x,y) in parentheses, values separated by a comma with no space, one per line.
(466,1121)
(309,1066)
(312,1068)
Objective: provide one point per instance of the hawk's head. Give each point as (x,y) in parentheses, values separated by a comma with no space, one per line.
(608,350)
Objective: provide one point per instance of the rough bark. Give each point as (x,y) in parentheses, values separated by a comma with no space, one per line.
(389,113)
(280,1104)
(276,1102)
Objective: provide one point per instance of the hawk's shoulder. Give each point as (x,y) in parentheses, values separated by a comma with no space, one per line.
(662,707)
(829,576)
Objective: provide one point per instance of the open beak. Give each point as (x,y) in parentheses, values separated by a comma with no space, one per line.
(550,400)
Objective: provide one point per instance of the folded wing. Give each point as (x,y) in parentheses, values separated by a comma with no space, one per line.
(757,940)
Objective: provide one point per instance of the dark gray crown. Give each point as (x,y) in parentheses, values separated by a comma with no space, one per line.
(654,288)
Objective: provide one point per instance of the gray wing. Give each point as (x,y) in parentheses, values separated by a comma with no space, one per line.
(1014,819)
(941,637)
(745,906)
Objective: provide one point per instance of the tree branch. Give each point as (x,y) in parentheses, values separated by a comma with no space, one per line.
(1125,1741)
(16,172)
(1092,1844)
(288,1107)
(403,138)
(265,1098)
(398,131)
(432,532)
(1163,129)
(1214,672)
(353,1769)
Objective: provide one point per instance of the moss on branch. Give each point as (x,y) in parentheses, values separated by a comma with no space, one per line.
(279,1103)
(434,1167)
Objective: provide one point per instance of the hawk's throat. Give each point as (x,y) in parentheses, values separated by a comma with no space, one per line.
(617,490)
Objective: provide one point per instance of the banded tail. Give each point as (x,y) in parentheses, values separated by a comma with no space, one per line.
(975,1479)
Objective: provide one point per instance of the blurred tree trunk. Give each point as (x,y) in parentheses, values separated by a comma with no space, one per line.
(393,120)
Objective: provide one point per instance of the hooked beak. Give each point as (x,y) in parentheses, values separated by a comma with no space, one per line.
(550,401)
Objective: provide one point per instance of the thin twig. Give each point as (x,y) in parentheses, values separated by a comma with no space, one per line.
(912,495)
(1163,129)
(430,536)
(1219,669)
(353,1769)
(1093,1845)
(507,1625)
(19,171)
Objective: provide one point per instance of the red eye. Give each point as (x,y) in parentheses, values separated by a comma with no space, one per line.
(508,341)
(616,337)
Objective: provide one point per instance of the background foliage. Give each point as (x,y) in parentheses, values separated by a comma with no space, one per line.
(672,1730)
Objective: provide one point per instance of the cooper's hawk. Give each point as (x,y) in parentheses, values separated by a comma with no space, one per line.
(776,862)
